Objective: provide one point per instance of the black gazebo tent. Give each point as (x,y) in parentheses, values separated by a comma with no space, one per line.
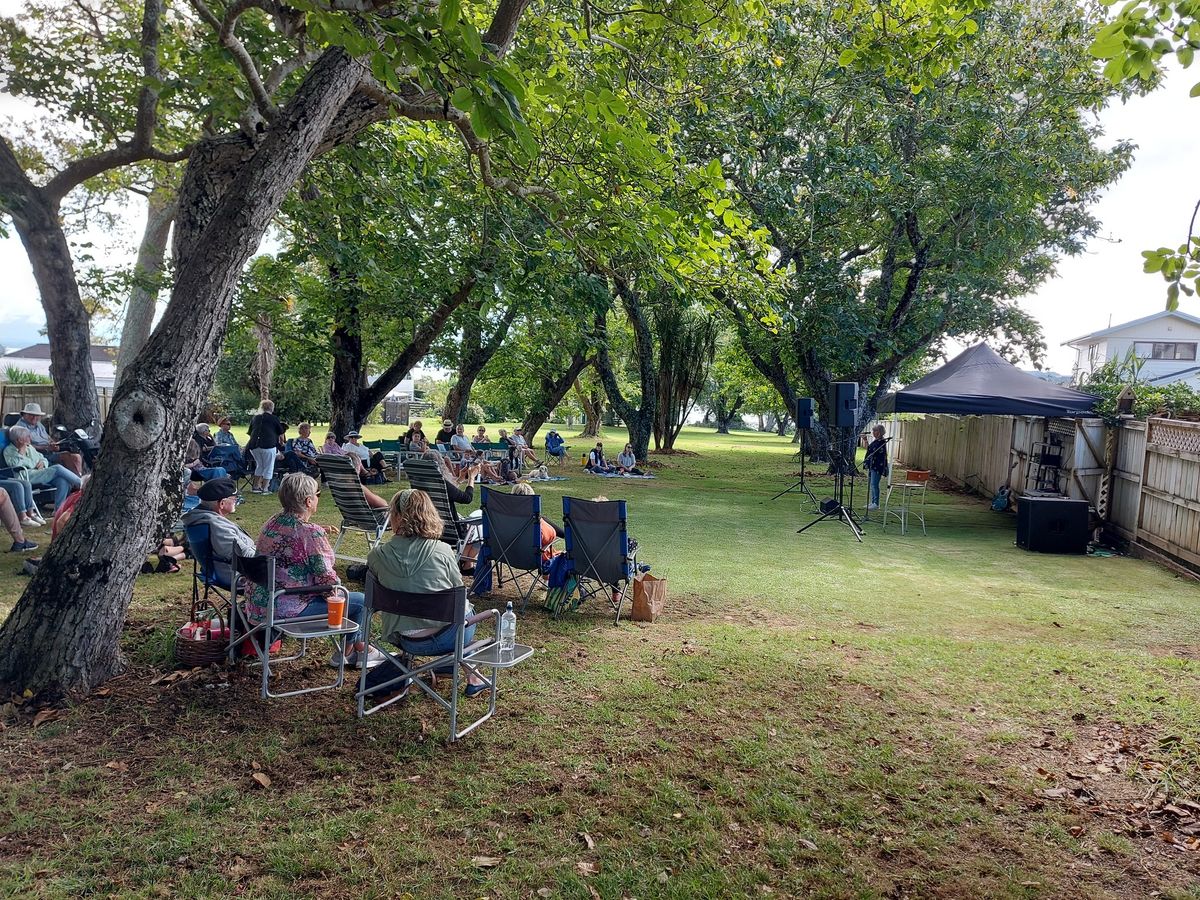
(979,382)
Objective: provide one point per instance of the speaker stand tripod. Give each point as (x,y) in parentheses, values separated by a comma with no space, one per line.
(800,486)
(839,512)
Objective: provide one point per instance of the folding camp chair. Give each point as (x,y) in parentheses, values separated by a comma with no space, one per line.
(424,475)
(443,606)
(43,494)
(204,572)
(599,549)
(260,570)
(347,490)
(512,532)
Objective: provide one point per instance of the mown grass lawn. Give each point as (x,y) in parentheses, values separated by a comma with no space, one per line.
(939,715)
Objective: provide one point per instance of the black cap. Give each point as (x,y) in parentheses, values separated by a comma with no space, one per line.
(217,489)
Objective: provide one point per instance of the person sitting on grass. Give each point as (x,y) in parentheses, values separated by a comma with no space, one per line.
(550,532)
(218,499)
(12,524)
(416,561)
(21,493)
(304,558)
(596,463)
(20,454)
(627,462)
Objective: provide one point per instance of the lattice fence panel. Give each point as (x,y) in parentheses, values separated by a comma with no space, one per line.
(1175,435)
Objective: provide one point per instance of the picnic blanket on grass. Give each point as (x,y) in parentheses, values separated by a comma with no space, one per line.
(620,475)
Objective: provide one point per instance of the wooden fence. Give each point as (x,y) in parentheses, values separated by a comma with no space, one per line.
(1141,477)
(13,398)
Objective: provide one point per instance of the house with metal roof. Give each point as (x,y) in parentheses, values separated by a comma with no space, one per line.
(36,359)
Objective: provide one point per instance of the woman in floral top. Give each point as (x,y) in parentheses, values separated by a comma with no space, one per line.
(303,558)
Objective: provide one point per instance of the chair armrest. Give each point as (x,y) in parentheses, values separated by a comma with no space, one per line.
(311,590)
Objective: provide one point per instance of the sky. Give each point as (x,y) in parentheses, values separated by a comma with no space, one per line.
(1149,207)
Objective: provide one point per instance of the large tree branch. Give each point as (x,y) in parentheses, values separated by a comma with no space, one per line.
(141,146)
(230,41)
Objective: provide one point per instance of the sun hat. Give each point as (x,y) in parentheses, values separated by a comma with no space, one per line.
(447,422)
(32,409)
(351,434)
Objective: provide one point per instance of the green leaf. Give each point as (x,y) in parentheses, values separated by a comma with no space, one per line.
(1195,91)
(510,81)
(448,11)
(847,57)
(462,98)
(1173,297)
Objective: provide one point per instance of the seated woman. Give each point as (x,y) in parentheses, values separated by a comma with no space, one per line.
(597,463)
(21,494)
(20,454)
(303,559)
(416,560)
(12,524)
(627,461)
(550,531)
(481,436)
(303,455)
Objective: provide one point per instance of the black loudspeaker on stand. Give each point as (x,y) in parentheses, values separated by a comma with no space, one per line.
(835,507)
(804,420)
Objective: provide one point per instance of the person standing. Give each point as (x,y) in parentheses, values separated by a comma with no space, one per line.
(877,465)
(265,432)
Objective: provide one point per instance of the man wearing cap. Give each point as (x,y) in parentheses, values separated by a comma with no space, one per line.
(446,434)
(31,419)
(218,498)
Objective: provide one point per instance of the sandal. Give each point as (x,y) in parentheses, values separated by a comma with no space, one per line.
(474,690)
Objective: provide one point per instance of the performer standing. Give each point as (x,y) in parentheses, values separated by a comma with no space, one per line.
(877,464)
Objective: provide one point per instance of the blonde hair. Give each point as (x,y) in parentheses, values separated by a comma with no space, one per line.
(294,491)
(523,489)
(412,515)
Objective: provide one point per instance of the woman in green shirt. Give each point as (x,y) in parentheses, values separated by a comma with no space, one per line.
(416,560)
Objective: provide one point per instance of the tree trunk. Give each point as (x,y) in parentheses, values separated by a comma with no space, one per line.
(264,355)
(552,392)
(349,376)
(64,633)
(727,416)
(68,325)
(593,410)
(639,422)
(474,354)
(143,298)
(782,420)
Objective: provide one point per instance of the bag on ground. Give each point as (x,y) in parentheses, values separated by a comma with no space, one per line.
(649,597)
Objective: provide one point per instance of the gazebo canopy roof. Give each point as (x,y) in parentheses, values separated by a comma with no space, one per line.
(979,382)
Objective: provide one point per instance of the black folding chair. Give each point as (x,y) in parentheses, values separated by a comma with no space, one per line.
(512,532)
(599,548)
(449,606)
(357,515)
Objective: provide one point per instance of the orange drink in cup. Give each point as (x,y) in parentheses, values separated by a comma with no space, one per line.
(337,609)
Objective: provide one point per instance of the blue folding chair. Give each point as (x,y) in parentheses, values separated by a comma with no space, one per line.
(599,550)
(512,533)
(204,573)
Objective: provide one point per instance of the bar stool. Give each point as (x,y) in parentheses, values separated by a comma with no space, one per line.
(910,487)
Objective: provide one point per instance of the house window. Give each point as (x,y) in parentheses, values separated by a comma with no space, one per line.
(1166,350)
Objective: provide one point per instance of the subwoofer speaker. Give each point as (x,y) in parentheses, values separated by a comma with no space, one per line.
(1052,525)
(843,404)
(804,412)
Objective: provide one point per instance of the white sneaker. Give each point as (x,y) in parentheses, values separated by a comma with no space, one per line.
(28,522)
(872,506)
(38,520)
(374,658)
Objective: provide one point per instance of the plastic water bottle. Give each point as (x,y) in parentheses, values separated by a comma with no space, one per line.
(508,630)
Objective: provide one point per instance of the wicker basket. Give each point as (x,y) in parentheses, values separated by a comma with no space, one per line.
(190,654)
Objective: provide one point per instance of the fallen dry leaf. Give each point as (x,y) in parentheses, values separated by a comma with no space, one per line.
(262,778)
(806,843)
(587,839)
(545,892)
(117,766)
(486,862)
(1057,793)
(44,716)
(587,868)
